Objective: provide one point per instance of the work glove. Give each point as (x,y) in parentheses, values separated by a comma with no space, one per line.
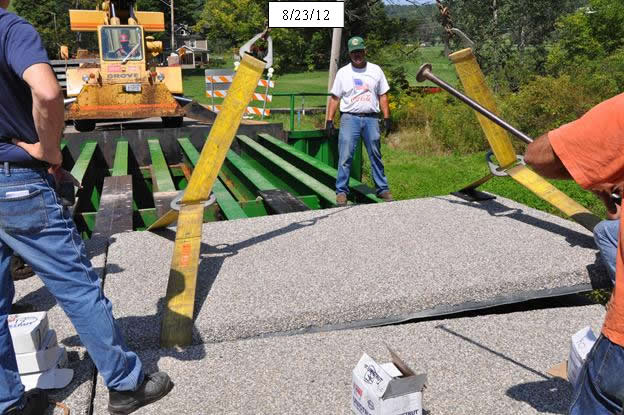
(330,131)
(387,126)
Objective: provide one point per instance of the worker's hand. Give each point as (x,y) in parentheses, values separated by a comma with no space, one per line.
(36,150)
(387,125)
(613,208)
(63,176)
(330,131)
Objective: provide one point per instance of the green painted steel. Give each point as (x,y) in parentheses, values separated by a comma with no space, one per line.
(316,168)
(258,181)
(326,194)
(86,154)
(120,165)
(254,208)
(316,144)
(229,206)
(160,170)
(311,201)
(79,171)
(89,220)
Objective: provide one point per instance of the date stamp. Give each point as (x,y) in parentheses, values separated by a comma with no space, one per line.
(306,14)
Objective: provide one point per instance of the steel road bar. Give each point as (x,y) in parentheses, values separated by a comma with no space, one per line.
(425,74)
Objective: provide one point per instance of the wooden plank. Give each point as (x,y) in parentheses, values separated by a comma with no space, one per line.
(281,201)
(115,212)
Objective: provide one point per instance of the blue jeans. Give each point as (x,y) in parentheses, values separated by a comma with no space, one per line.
(34,225)
(599,389)
(351,128)
(606,235)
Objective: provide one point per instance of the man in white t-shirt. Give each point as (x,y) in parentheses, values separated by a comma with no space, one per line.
(361,89)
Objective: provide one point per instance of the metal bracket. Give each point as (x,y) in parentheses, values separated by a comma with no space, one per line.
(246,48)
(495,169)
(465,39)
(175,203)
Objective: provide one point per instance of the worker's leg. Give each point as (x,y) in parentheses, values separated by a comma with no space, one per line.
(606,237)
(39,229)
(348,139)
(370,134)
(11,388)
(599,389)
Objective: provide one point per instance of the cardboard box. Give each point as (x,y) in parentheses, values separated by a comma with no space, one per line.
(388,389)
(580,345)
(28,330)
(40,360)
(55,378)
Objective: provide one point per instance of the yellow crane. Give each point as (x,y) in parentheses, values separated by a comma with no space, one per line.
(126,83)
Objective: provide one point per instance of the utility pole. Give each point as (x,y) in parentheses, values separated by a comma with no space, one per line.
(172,30)
(333,62)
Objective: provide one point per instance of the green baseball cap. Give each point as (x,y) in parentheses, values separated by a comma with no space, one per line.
(356,43)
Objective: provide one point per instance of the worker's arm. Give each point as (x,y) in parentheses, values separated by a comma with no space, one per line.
(333,106)
(385,108)
(543,159)
(48,113)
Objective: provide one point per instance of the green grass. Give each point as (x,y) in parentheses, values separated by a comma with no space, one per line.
(413,177)
(441,65)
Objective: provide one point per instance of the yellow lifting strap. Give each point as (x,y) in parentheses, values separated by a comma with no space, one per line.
(472,78)
(177,323)
(546,191)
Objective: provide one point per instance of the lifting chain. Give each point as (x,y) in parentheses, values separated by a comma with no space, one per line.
(445,19)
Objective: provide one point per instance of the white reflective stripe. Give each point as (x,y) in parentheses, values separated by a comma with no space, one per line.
(248,110)
(216,94)
(218,79)
(264,83)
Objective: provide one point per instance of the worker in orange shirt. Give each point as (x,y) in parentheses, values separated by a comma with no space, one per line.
(594,158)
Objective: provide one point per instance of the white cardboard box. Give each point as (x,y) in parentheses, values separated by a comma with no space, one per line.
(388,389)
(54,378)
(28,331)
(41,360)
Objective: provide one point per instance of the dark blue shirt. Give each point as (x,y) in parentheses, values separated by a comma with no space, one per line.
(20,48)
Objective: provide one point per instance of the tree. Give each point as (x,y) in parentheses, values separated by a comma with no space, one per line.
(588,35)
(42,15)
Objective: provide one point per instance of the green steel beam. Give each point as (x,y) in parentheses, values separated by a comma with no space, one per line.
(160,170)
(310,165)
(79,170)
(86,154)
(89,220)
(229,206)
(254,208)
(257,180)
(325,193)
(120,165)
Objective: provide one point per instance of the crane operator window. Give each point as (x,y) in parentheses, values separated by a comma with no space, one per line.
(121,44)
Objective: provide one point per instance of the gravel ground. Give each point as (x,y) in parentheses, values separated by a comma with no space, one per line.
(492,364)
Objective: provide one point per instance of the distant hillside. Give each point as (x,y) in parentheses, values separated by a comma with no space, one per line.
(425,11)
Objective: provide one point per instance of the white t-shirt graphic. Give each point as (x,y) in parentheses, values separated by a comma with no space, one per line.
(359,89)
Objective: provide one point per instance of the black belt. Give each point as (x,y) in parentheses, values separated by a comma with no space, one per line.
(34,164)
(363,114)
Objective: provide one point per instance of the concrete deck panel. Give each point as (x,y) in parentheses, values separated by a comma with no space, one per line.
(491,364)
(351,267)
